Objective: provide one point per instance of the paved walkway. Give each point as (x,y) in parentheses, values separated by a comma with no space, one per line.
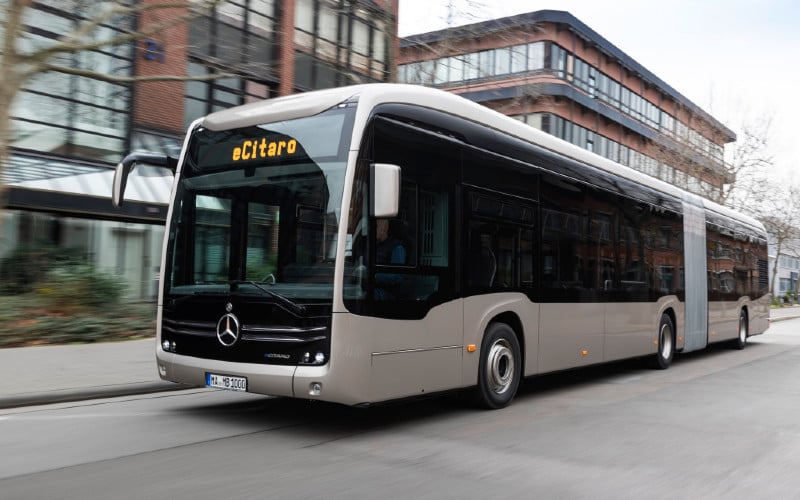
(54,374)
(785,313)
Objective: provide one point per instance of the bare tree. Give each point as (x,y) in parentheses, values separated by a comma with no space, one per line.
(736,179)
(461,12)
(751,162)
(780,213)
(21,60)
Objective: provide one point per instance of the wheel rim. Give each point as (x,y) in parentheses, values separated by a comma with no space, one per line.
(742,330)
(500,367)
(666,341)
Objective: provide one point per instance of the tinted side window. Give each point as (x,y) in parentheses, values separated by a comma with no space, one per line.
(501,243)
(601,246)
(735,262)
(501,210)
(579,258)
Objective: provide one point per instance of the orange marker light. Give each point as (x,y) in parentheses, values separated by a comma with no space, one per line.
(584,352)
(472,348)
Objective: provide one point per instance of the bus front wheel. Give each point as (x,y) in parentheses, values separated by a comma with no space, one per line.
(500,367)
(666,343)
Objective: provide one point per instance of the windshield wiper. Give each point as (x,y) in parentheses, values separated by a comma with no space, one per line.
(283,302)
(183,298)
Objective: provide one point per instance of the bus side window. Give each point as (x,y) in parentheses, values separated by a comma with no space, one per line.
(500,243)
(421,230)
(429,165)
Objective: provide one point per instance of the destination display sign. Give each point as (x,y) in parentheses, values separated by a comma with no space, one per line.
(261,149)
(262,146)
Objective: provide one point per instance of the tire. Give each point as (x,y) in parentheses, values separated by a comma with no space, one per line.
(500,367)
(741,339)
(666,343)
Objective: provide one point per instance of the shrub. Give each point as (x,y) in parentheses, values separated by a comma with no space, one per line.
(79,287)
(30,320)
(27,265)
(51,295)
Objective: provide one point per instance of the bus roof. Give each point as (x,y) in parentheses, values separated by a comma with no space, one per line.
(371,95)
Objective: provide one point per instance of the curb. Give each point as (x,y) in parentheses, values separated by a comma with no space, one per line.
(783,318)
(84,393)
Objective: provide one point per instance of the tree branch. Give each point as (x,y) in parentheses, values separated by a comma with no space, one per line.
(133,79)
(73,42)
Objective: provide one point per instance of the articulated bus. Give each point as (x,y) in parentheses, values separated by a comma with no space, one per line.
(521,254)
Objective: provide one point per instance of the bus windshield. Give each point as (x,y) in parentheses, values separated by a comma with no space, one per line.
(257,209)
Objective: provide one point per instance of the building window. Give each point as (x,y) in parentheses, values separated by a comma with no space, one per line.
(558,61)
(237,33)
(74,115)
(442,71)
(536,56)
(485,63)
(233,37)
(348,38)
(471,66)
(667,123)
(519,58)
(204,97)
(502,61)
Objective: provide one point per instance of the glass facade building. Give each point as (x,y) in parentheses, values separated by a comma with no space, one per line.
(69,129)
(74,115)
(550,70)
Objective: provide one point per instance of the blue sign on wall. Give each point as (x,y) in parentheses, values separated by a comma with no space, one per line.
(153,51)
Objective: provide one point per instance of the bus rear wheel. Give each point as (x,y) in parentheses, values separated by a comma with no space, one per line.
(741,339)
(666,343)
(500,368)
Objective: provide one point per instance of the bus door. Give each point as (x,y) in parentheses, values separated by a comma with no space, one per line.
(575,265)
(409,311)
(499,267)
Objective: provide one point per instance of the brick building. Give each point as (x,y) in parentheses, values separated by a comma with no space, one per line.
(70,130)
(552,71)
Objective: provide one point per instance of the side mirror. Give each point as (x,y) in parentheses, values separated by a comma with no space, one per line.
(126,166)
(385,187)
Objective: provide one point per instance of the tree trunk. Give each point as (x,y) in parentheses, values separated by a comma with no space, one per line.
(778,245)
(11,75)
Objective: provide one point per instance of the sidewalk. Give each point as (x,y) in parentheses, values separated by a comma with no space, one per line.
(57,374)
(784,313)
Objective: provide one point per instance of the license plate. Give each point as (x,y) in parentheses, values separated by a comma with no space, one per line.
(227,382)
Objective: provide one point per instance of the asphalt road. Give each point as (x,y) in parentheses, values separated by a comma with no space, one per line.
(718,424)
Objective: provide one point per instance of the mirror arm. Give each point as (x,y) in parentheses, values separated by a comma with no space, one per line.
(127,164)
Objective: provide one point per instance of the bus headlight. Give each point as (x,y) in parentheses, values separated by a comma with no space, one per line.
(318,359)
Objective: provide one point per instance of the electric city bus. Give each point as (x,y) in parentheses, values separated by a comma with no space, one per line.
(521,253)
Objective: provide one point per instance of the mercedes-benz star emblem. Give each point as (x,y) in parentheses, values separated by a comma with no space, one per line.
(228,330)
